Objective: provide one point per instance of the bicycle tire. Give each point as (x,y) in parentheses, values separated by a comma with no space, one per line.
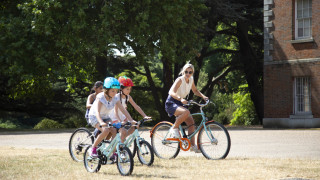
(217,149)
(146,155)
(125,161)
(92,165)
(133,148)
(161,148)
(78,141)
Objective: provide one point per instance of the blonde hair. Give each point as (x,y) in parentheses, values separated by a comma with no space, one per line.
(185,67)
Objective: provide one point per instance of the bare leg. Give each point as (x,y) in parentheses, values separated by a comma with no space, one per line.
(190,122)
(104,133)
(124,134)
(182,114)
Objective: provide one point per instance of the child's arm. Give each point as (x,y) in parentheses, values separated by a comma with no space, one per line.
(89,101)
(124,111)
(116,110)
(137,108)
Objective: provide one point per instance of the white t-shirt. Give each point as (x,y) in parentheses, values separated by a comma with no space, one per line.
(185,87)
(124,104)
(106,108)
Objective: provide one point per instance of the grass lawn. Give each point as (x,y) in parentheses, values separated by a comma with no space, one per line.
(18,163)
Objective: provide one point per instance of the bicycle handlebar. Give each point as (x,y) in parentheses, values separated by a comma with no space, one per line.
(127,124)
(201,105)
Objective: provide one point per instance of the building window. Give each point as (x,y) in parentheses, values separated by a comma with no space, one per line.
(302,96)
(303,16)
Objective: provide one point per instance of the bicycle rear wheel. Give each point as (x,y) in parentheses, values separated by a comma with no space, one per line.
(215,142)
(163,148)
(79,140)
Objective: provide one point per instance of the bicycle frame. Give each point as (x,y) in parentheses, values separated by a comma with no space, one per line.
(134,136)
(202,124)
(114,144)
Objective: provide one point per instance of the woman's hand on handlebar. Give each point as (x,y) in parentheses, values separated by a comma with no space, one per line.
(147,117)
(184,101)
(205,98)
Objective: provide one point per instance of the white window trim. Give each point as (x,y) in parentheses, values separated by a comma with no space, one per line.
(296,26)
(295,100)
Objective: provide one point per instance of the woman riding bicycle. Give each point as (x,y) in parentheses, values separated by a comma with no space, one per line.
(176,98)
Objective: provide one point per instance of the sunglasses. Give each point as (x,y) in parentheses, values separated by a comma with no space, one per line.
(190,72)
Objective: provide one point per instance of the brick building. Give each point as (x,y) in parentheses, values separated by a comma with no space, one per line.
(291,63)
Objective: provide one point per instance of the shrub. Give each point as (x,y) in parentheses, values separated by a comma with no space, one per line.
(245,113)
(48,124)
(75,121)
(8,125)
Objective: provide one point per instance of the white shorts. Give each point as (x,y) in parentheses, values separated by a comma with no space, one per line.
(94,121)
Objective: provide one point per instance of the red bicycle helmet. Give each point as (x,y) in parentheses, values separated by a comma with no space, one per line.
(125,81)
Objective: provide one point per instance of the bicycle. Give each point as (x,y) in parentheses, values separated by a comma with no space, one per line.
(140,146)
(83,137)
(124,159)
(79,140)
(213,138)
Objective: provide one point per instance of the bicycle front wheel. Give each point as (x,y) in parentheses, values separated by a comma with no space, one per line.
(163,148)
(79,140)
(125,161)
(145,153)
(133,148)
(214,141)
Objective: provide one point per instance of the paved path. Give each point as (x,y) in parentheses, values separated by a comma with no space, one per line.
(246,142)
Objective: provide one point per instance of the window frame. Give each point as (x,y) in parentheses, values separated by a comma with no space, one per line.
(298,105)
(297,24)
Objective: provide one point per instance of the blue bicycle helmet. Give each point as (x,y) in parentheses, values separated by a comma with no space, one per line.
(111,83)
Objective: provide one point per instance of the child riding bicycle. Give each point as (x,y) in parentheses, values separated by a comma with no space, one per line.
(126,85)
(99,114)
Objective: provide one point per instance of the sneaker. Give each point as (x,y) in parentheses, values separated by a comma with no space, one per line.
(114,157)
(195,149)
(94,153)
(174,132)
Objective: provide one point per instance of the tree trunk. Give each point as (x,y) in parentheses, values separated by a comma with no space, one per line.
(158,104)
(251,67)
(167,78)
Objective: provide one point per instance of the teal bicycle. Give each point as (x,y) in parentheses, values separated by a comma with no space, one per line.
(139,146)
(213,138)
(124,156)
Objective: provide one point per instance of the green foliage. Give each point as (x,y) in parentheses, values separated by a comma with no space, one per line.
(75,122)
(48,124)
(245,113)
(145,101)
(223,107)
(8,125)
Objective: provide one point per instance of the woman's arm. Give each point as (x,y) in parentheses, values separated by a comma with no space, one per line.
(197,92)
(89,101)
(174,88)
(136,107)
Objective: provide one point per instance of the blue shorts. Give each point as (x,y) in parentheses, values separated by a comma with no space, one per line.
(172,105)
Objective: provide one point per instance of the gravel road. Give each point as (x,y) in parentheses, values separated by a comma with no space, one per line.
(245,142)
